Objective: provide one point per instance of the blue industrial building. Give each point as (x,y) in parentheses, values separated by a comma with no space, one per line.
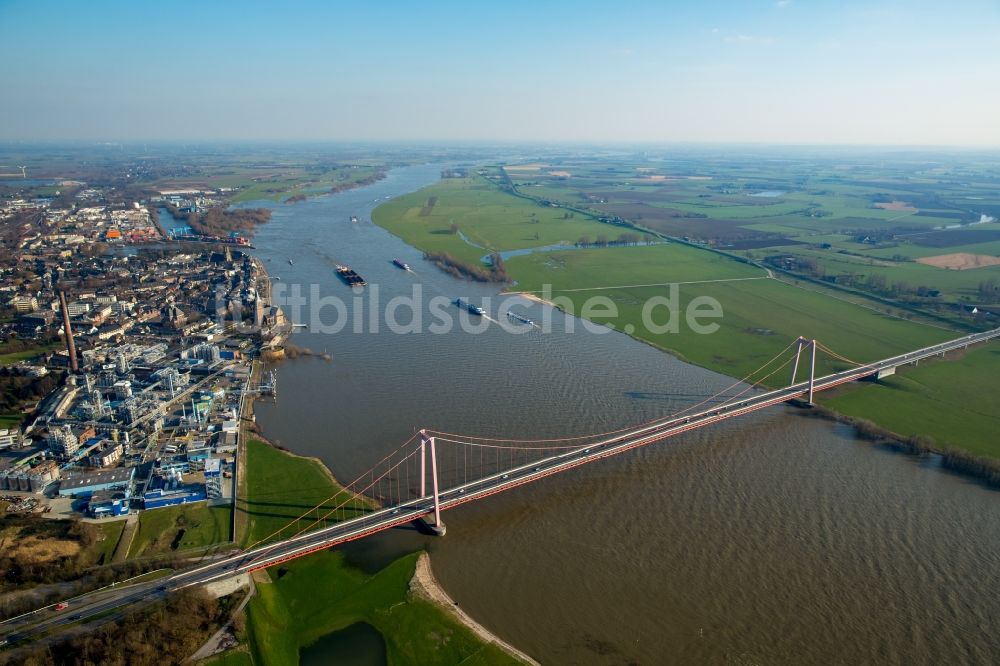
(107,503)
(159,498)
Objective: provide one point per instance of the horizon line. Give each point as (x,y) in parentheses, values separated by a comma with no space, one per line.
(445,142)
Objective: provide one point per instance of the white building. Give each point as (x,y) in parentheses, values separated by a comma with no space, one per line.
(61,441)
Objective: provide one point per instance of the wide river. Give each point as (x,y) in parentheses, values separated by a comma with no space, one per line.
(777,539)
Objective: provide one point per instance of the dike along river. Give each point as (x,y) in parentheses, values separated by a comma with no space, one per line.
(777,539)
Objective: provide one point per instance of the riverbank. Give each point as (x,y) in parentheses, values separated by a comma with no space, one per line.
(282,620)
(425,585)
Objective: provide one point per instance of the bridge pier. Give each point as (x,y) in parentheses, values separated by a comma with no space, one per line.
(801,344)
(425,526)
(436,527)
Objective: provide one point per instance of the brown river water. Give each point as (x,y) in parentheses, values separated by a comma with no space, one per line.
(775,539)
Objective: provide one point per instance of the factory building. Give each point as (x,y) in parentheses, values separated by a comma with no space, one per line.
(10,438)
(88,483)
(108,454)
(62,442)
(161,497)
(108,503)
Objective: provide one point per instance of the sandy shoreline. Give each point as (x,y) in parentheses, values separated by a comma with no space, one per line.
(425,585)
(532,297)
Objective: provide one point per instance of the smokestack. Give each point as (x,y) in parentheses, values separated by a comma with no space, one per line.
(68,330)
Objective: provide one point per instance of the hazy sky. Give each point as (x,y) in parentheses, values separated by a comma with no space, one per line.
(789,71)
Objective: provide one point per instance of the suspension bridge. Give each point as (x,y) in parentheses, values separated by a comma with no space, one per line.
(434,471)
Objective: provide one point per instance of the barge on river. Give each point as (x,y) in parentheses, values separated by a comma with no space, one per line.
(350,277)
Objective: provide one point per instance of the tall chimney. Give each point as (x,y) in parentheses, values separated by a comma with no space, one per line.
(68,330)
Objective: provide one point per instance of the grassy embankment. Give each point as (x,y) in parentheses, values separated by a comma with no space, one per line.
(177,529)
(282,487)
(319,594)
(761,316)
(943,400)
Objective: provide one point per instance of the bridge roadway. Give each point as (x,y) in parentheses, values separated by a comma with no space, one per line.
(382,519)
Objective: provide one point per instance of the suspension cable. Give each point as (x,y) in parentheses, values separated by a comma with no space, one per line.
(626,428)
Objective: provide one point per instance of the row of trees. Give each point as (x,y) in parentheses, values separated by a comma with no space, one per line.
(625,239)
(989,291)
(876,283)
(495,272)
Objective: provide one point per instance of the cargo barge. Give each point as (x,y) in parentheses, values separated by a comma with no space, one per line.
(349,276)
(401,264)
(473,309)
(520,318)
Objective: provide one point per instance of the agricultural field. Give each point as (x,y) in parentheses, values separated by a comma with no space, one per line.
(860,222)
(269,181)
(301,182)
(761,315)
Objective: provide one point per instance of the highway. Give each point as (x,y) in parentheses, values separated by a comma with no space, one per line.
(382,519)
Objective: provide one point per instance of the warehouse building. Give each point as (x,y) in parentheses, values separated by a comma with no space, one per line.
(88,483)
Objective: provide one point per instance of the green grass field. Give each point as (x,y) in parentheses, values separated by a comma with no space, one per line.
(112,533)
(282,488)
(179,528)
(231,658)
(616,266)
(942,399)
(760,318)
(953,285)
(488,217)
(321,594)
(819,202)
(10,358)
